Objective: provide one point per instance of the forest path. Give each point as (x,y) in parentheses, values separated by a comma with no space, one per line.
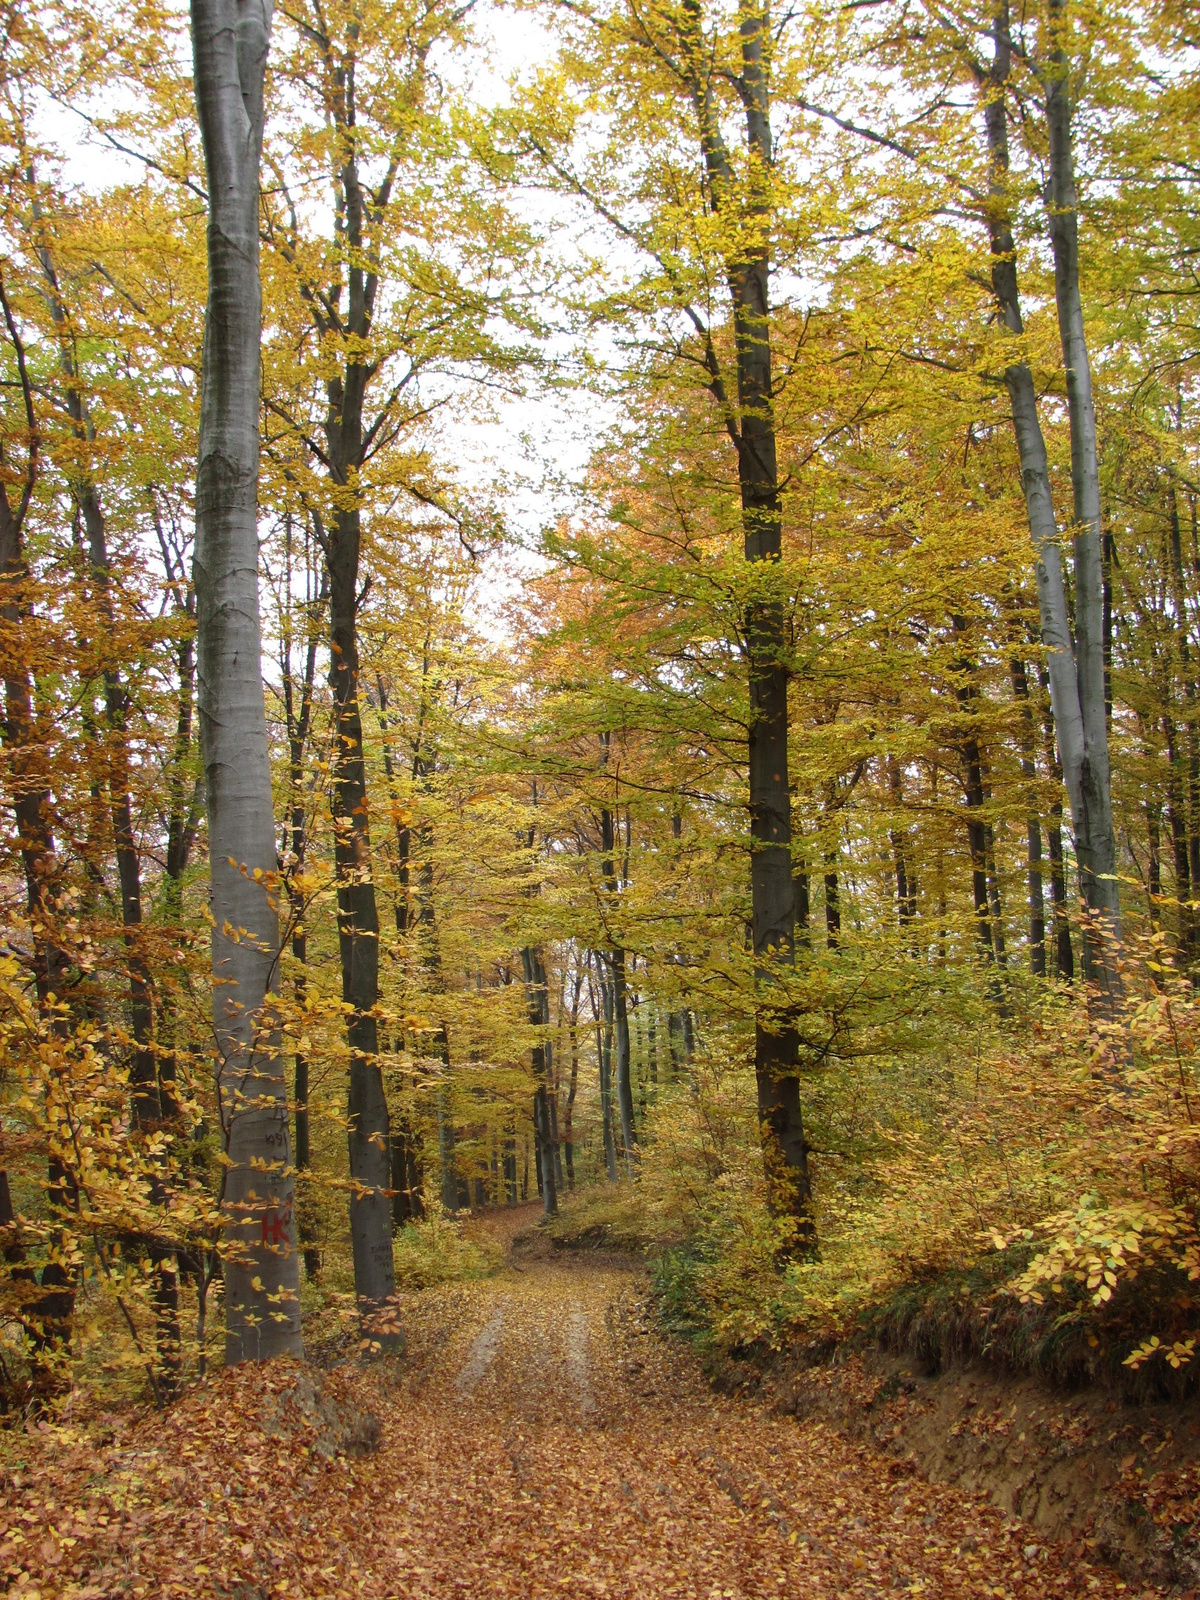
(540,1438)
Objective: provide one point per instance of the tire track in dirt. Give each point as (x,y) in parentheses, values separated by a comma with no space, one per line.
(574,1451)
(483,1351)
(578,1361)
(539,1439)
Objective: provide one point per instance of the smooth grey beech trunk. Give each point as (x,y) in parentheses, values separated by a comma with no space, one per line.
(262,1287)
(1074,668)
(1095,841)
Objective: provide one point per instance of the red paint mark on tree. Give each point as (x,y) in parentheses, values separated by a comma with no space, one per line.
(275,1226)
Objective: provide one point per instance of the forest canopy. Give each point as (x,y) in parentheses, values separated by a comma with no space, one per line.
(614,618)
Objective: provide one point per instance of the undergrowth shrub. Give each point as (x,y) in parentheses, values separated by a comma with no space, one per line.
(1025,1191)
(436,1250)
(608,1216)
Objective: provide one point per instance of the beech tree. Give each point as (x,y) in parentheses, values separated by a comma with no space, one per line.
(752,430)
(1074,663)
(369,312)
(1087,775)
(262,1299)
(1007,69)
(715,72)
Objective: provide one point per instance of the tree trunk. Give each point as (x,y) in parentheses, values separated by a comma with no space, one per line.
(773,904)
(1095,837)
(994,899)
(431,960)
(638,1064)
(344,313)
(28,779)
(185,803)
(604,1038)
(358,918)
(510,1167)
(1033,826)
(1064,955)
(772,895)
(555,1137)
(906,882)
(620,1008)
(569,1110)
(143,1071)
(145,1099)
(675,1048)
(833,902)
(408,1204)
(752,426)
(1076,675)
(48,1305)
(802,900)
(1181,855)
(546,1185)
(358,915)
(50,1310)
(538,998)
(615,960)
(977,832)
(22,1305)
(447,1160)
(400,816)
(620,998)
(185,808)
(299,726)
(1110,561)
(262,1283)
(1185,817)
(977,842)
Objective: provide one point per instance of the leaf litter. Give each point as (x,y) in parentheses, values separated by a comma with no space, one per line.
(581,1454)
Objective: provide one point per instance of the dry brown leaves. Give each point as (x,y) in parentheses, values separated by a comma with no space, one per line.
(538,1439)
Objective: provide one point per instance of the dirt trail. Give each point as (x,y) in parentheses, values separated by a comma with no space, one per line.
(545,1440)
(538,1438)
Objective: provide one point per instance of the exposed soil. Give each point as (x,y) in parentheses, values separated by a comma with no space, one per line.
(1111,1480)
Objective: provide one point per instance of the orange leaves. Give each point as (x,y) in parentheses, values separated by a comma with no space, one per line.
(512,1488)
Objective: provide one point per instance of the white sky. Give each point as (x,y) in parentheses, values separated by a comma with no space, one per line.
(533,452)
